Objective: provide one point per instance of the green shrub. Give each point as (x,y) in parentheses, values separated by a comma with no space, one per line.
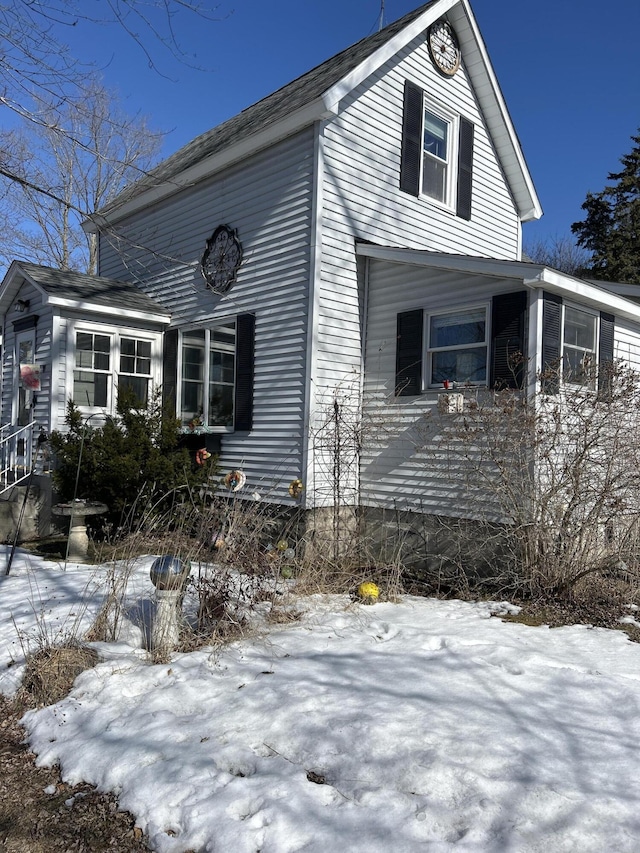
(133,460)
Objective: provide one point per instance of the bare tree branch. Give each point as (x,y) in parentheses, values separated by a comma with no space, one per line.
(62,170)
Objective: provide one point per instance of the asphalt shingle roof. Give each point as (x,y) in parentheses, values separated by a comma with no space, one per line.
(301,91)
(93,289)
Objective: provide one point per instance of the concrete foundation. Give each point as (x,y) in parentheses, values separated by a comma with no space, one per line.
(36,516)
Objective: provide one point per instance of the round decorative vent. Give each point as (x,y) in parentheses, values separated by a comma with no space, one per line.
(221,259)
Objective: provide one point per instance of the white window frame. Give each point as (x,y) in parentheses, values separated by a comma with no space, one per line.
(593,365)
(430,350)
(452,121)
(186,418)
(115,334)
(137,359)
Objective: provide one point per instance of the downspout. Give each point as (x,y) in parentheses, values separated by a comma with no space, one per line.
(315,279)
(363,336)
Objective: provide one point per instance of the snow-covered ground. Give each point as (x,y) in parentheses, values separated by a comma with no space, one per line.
(420,726)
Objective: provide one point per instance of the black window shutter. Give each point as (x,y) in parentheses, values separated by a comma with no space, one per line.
(411,153)
(465,169)
(170,370)
(605,353)
(508,313)
(245,337)
(409,354)
(551,336)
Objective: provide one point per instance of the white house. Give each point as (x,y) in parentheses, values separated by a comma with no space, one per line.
(356,236)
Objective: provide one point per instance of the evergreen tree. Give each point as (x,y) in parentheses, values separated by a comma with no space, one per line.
(132,462)
(611,227)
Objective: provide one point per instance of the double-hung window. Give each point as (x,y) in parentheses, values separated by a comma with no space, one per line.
(471,344)
(107,362)
(135,368)
(577,345)
(208,376)
(457,347)
(92,376)
(436,156)
(579,354)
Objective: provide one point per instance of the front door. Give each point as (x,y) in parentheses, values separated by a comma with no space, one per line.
(23,397)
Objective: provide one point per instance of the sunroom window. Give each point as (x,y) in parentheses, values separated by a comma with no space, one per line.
(579,346)
(135,368)
(107,362)
(92,374)
(458,350)
(208,376)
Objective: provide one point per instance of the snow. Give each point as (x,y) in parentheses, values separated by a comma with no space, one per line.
(424,725)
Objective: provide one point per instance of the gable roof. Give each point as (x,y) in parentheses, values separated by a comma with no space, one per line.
(316,95)
(72,289)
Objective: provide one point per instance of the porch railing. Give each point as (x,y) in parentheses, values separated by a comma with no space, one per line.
(18,450)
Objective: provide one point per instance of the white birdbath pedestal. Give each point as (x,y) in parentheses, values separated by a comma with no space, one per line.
(169,576)
(77,513)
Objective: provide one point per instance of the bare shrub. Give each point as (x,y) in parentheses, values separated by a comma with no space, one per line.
(549,481)
(51,671)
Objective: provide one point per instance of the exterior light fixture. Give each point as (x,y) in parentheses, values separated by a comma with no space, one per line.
(21,306)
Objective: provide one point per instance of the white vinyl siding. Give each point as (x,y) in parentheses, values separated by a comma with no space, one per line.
(399,471)
(362,153)
(292,251)
(268,199)
(362,200)
(627,343)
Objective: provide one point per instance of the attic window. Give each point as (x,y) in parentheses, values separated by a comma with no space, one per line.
(435,156)
(436,159)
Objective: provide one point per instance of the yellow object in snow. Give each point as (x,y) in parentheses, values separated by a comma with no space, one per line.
(368,591)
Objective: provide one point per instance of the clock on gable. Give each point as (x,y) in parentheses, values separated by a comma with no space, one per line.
(443,47)
(221,259)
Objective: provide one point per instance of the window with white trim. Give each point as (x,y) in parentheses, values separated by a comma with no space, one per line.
(91,378)
(579,346)
(437,153)
(135,368)
(107,361)
(208,376)
(457,349)
(436,156)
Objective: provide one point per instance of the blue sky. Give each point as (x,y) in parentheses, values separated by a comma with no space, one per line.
(569,71)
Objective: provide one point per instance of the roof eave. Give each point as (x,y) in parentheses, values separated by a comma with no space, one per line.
(87,305)
(477,65)
(386,51)
(11,284)
(533,276)
(598,297)
(496,114)
(314,111)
